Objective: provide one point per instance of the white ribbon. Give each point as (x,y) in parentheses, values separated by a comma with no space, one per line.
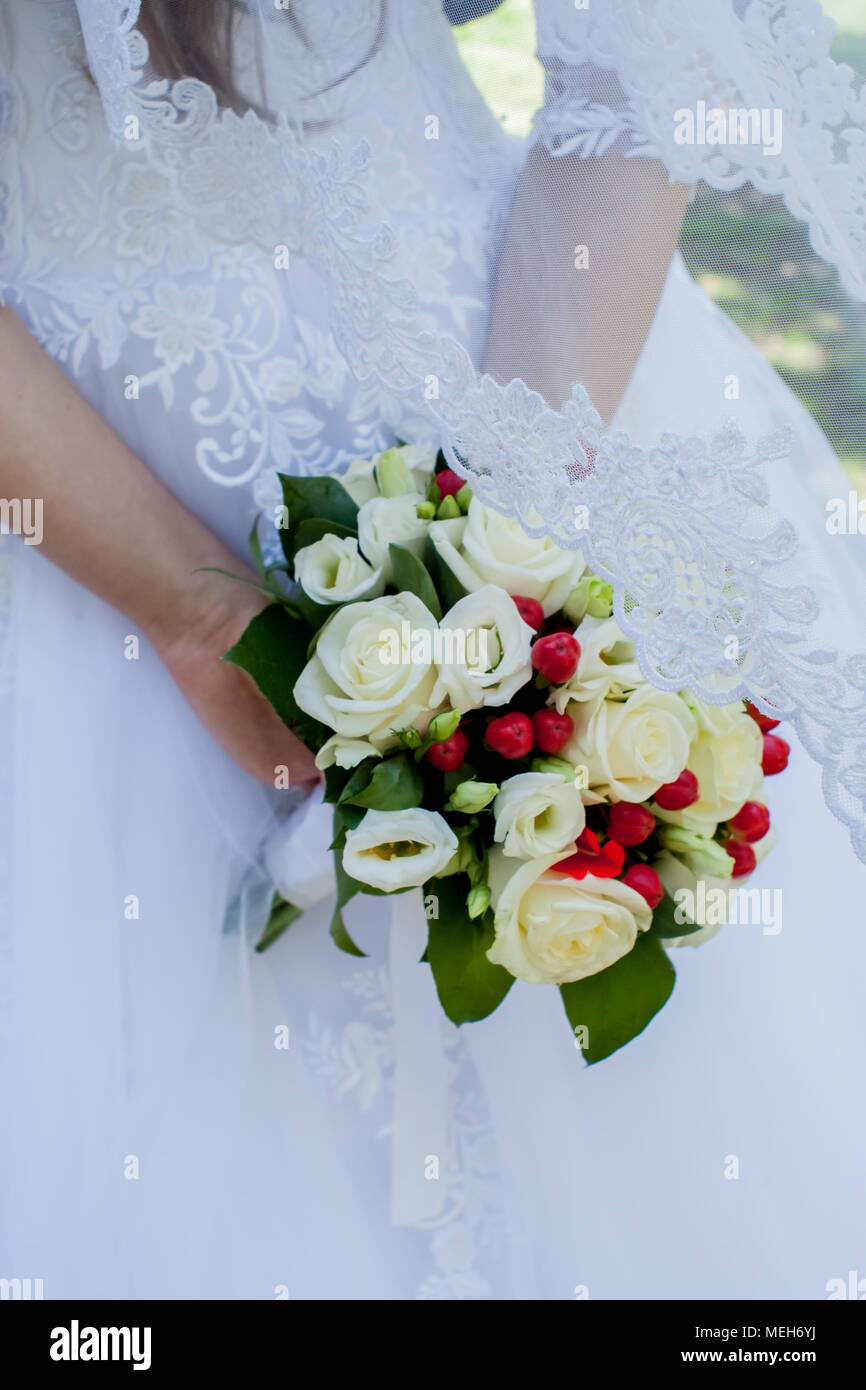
(299,861)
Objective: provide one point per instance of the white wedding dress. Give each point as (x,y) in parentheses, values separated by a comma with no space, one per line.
(159,1139)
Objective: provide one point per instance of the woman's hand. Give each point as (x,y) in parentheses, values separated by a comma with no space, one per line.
(97,496)
(227,699)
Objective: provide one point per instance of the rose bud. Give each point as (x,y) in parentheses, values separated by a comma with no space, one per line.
(645,881)
(629,824)
(776,752)
(448,482)
(530,610)
(751,822)
(677,795)
(510,735)
(551,730)
(763,721)
(743,857)
(556,656)
(448,753)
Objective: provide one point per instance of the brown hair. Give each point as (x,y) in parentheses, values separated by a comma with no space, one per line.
(195,38)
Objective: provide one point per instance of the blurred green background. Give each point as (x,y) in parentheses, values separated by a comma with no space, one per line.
(744,248)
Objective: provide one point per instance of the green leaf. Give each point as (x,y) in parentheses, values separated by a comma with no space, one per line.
(283,914)
(341,937)
(664,923)
(448,586)
(468,985)
(409,575)
(395,785)
(618,1003)
(273,650)
(310,499)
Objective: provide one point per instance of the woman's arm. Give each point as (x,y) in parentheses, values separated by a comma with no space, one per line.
(557,320)
(113,526)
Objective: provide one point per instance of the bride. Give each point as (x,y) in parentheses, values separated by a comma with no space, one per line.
(243,237)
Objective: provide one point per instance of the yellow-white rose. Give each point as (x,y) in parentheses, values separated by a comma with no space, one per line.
(398,849)
(485,547)
(386,519)
(354,685)
(537,813)
(333,570)
(634,746)
(484,651)
(550,928)
(725,756)
(606,668)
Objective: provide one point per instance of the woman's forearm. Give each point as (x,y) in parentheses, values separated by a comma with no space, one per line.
(584,261)
(106,520)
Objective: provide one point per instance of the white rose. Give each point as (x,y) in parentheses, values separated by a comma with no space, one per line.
(353,684)
(725,756)
(537,813)
(485,547)
(359,481)
(634,746)
(398,849)
(606,668)
(333,570)
(386,519)
(550,928)
(484,651)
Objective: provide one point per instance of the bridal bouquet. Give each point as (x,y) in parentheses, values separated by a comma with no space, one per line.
(486,735)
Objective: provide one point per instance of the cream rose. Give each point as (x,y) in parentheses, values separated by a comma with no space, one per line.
(483,650)
(398,849)
(550,928)
(485,547)
(353,685)
(725,756)
(632,747)
(537,813)
(387,519)
(333,570)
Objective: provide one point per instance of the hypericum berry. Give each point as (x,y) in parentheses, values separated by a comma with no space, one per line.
(677,795)
(551,730)
(645,881)
(751,822)
(450,753)
(764,723)
(556,656)
(743,857)
(448,482)
(629,824)
(775,758)
(530,610)
(510,735)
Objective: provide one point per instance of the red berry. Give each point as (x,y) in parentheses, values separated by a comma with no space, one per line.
(764,723)
(676,796)
(776,752)
(751,822)
(556,656)
(743,857)
(449,754)
(629,824)
(530,610)
(645,881)
(551,730)
(449,482)
(510,735)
